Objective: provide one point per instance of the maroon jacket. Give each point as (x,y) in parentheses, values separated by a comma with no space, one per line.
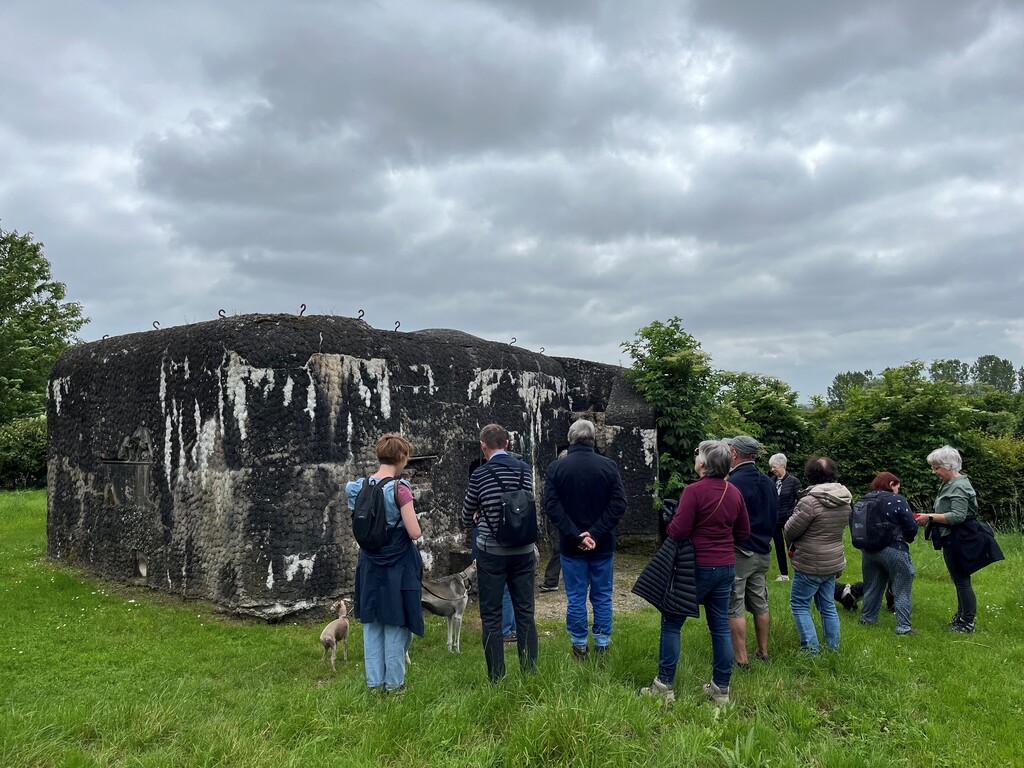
(715,535)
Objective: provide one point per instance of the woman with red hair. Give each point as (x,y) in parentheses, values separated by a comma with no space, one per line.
(892,563)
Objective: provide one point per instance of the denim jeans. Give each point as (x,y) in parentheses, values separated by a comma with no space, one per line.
(518,573)
(823,591)
(714,586)
(580,575)
(508,616)
(384,647)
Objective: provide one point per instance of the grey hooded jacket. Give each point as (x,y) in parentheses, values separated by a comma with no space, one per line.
(815,529)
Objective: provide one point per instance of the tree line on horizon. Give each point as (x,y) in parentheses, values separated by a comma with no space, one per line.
(868,422)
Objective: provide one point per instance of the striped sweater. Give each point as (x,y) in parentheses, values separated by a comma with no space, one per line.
(483,498)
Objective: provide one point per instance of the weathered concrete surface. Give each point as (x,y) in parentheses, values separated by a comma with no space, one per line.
(209,460)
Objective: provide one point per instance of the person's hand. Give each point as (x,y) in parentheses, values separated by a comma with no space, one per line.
(587,542)
(921,518)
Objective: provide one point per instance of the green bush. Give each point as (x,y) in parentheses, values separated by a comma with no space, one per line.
(23,453)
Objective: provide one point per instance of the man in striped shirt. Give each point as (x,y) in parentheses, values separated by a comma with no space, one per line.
(498,565)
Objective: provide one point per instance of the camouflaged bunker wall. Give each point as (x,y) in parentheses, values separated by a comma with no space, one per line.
(208,460)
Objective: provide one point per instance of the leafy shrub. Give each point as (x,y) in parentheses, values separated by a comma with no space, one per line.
(23,453)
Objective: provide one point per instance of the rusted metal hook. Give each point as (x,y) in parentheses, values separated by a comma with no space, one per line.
(302,309)
(106,336)
(156,325)
(221,314)
(360,315)
(397,325)
(542,350)
(513,341)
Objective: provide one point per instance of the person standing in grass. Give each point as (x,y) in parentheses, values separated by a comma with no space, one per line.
(892,564)
(584,499)
(389,581)
(713,515)
(955,504)
(815,533)
(500,565)
(753,555)
(787,487)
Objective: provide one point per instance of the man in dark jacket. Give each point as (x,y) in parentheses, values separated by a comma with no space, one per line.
(584,499)
(498,565)
(749,589)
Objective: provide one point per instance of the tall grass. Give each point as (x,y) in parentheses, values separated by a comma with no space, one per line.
(93,674)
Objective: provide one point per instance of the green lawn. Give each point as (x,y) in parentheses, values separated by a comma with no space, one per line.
(94,674)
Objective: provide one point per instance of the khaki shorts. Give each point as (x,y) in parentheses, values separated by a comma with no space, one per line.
(749,588)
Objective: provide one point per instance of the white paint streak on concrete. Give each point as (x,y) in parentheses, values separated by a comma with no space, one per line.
(239,375)
(295,564)
(650,438)
(483,384)
(59,388)
(206,442)
(182,464)
(168,431)
(187,373)
(427,371)
(270,575)
(277,609)
(288,384)
(537,389)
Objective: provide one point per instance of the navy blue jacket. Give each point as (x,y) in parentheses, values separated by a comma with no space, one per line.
(583,492)
(762,505)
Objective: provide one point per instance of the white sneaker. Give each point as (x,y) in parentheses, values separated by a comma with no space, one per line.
(659,690)
(719,696)
(782,578)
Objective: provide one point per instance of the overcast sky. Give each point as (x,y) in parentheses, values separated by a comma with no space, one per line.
(813,187)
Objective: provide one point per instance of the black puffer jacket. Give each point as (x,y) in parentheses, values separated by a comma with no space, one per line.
(669,582)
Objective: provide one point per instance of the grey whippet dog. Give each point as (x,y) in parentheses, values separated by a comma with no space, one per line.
(448,597)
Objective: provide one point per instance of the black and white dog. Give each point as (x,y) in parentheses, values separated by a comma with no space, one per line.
(848,595)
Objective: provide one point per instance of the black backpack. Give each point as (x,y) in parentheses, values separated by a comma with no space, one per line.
(517,525)
(370,515)
(869,524)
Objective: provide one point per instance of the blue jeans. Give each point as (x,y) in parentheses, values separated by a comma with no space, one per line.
(581,574)
(384,647)
(823,590)
(508,617)
(714,586)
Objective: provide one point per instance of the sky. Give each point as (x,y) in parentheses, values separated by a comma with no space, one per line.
(813,187)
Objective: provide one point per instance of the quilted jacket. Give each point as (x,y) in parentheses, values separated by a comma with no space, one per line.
(669,582)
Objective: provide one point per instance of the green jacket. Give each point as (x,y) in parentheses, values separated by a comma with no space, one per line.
(956,500)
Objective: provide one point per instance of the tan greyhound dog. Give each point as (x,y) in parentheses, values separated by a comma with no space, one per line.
(335,631)
(448,597)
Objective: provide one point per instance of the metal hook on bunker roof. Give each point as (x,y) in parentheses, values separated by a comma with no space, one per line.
(156,325)
(360,315)
(398,325)
(513,341)
(542,350)
(302,309)
(106,336)
(221,314)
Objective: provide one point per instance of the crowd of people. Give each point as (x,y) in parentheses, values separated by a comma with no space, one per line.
(717,555)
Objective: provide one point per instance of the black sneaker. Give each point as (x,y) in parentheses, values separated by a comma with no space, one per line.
(511,637)
(546,588)
(580,652)
(964,627)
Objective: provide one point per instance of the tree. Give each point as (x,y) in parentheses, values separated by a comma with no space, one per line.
(673,374)
(995,371)
(892,426)
(763,407)
(36,325)
(954,371)
(844,383)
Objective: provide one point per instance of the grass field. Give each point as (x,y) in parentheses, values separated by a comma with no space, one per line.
(94,674)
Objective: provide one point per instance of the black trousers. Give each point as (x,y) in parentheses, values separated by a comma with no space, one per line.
(966,601)
(554,569)
(780,548)
(519,572)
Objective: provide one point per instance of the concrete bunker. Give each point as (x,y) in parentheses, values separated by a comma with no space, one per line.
(208,460)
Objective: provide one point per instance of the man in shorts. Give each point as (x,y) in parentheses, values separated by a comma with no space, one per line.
(753,555)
